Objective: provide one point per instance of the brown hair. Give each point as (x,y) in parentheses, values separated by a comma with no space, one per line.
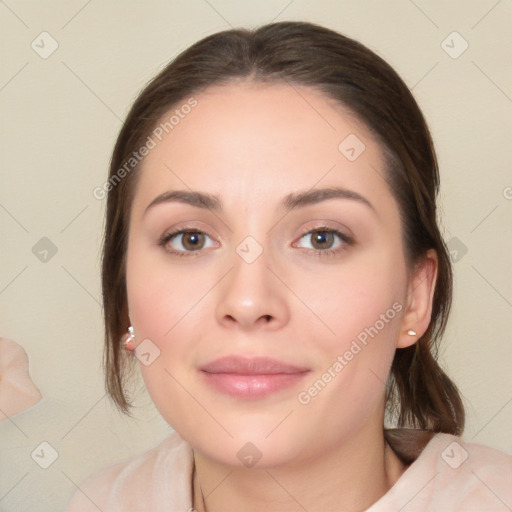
(419,393)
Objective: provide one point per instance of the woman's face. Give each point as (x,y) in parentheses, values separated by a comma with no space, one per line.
(266,276)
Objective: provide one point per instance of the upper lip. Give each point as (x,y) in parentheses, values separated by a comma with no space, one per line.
(251,366)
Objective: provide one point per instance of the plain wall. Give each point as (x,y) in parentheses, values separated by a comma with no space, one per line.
(60,117)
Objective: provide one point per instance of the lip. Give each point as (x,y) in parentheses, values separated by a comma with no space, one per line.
(251,377)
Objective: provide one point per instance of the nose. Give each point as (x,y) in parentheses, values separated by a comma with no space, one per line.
(252,296)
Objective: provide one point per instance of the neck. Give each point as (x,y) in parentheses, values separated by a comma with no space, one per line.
(350,478)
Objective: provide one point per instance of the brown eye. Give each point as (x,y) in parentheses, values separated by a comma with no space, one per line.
(192,241)
(184,241)
(323,241)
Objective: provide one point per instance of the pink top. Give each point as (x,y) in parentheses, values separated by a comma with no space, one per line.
(448,475)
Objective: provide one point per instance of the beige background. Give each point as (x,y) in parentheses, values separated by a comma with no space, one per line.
(60,116)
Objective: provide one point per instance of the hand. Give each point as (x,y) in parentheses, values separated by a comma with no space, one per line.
(17,391)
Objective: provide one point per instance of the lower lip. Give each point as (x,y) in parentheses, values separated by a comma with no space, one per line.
(252,386)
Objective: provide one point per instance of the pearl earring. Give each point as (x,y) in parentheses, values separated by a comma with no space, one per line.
(131,337)
(411,332)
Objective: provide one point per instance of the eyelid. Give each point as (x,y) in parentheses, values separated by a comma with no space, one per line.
(325,224)
(194,226)
(328,225)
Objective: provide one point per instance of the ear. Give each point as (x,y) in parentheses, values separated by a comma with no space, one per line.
(419,300)
(130,346)
(128,341)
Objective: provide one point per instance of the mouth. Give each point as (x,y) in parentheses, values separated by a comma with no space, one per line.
(251,377)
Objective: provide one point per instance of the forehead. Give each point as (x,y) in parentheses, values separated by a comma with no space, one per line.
(252,141)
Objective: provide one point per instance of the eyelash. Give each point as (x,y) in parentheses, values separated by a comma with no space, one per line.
(347,241)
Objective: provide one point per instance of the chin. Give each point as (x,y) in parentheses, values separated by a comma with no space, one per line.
(249,444)
(243,453)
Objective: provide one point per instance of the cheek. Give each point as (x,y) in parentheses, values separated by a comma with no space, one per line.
(165,307)
(160,299)
(353,301)
(159,294)
(361,311)
(349,382)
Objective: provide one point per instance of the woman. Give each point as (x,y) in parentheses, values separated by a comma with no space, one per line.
(273,262)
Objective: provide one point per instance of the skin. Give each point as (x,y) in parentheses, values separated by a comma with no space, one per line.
(252,144)
(17,391)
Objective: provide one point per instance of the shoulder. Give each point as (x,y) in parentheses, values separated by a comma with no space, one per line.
(471,475)
(156,478)
(451,473)
(447,472)
(456,456)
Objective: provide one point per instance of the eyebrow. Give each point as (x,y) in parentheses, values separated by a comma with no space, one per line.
(290,202)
